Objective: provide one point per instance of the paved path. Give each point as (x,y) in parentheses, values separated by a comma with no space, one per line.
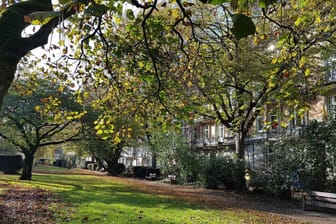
(309,216)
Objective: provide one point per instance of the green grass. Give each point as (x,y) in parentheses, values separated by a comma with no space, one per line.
(100,200)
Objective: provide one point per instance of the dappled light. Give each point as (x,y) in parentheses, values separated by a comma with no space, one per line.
(96,199)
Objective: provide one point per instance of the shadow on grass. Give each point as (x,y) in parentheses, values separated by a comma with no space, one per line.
(106,200)
(77,189)
(93,199)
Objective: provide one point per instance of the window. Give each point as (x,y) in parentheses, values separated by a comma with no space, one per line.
(195,134)
(298,119)
(221,131)
(206,131)
(274,121)
(260,124)
(331,70)
(186,133)
(332,106)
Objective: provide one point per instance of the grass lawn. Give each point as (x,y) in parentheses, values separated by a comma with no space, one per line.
(94,199)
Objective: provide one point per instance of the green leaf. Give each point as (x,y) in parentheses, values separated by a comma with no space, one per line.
(96,10)
(265,3)
(217,2)
(40,17)
(242,26)
(282,39)
(64,1)
(130,14)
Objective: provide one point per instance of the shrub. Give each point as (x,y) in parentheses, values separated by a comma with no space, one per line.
(152,173)
(190,164)
(287,169)
(306,162)
(139,171)
(10,164)
(223,172)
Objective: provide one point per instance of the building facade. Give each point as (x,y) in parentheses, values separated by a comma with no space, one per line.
(211,138)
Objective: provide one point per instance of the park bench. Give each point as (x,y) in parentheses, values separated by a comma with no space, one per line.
(171,179)
(151,176)
(317,199)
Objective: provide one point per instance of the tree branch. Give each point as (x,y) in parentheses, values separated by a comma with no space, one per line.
(11,141)
(41,37)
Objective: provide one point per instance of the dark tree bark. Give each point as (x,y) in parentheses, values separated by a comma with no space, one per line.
(240,153)
(27,166)
(7,72)
(13,46)
(113,167)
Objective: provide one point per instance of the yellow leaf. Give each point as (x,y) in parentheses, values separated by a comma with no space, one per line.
(318,20)
(69,118)
(271,84)
(302,62)
(307,72)
(117,139)
(37,108)
(283,124)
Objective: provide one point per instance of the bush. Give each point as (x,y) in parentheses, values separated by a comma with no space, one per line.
(143,172)
(152,173)
(139,171)
(284,171)
(224,172)
(190,165)
(60,163)
(306,162)
(10,164)
(115,169)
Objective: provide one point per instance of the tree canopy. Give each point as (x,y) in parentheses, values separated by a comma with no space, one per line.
(39,117)
(89,17)
(234,55)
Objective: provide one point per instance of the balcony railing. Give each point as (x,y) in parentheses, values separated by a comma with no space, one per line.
(332,110)
(331,76)
(267,135)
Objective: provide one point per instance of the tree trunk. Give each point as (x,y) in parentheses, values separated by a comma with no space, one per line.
(7,72)
(12,46)
(27,167)
(114,168)
(99,163)
(154,160)
(240,145)
(240,153)
(320,168)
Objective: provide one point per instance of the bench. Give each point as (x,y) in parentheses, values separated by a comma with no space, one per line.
(151,176)
(171,179)
(317,199)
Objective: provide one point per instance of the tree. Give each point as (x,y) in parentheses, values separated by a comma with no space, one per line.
(13,21)
(119,113)
(106,144)
(233,81)
(298,37)
(19,15)
(32,119)
(123,97)
(175,155)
